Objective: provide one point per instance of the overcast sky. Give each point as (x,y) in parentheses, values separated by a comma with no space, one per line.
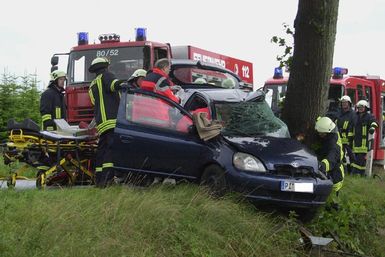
(32,31)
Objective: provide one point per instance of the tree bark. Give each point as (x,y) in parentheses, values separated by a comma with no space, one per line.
(307,90)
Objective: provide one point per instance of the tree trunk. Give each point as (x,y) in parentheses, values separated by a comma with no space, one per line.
(307,90)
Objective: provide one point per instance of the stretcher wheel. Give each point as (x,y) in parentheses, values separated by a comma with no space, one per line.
(41,180)
(11,181)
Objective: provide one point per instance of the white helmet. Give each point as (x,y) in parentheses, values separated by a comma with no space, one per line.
(200,81)
(362,103)
(58,74)
(324,125)
(138,73)
(228,83)
(98,63)
(346,98)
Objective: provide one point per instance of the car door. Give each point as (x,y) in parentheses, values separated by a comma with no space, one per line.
(152,136)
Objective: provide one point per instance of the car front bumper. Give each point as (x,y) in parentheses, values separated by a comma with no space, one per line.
(266,188)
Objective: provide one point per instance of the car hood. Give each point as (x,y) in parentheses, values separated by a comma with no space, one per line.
(275,151)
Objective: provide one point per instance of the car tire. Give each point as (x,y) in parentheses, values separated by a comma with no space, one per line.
(214,178)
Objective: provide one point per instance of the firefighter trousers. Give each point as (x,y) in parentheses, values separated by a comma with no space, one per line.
(104,160)
(359,164)
(349,153)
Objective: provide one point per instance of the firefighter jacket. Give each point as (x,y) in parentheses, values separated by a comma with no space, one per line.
(105,98)
(157,81)
(330,154)
(361,130)
(345,124)
(52,106)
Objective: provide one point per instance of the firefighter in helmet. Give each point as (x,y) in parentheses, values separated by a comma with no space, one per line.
(346,120)
(366,124)
(228,83)
(157,80)
(330,152)
(105,98)
(136,78)
(52,104)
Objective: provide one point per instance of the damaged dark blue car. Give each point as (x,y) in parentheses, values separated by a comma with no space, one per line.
(253,153)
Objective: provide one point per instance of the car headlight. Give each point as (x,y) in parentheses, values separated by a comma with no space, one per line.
(244,161)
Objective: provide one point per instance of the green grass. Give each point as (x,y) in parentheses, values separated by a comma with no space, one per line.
(360,221)
(180,221)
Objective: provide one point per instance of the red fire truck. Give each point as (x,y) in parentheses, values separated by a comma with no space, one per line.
(125,58)
(370,88)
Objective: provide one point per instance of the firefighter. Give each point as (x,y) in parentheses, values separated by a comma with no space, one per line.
(159,82)
(366,123)
(105,98)
(330,153)
(228,83)
(200,81)
(136,78)
(346,120)
(52,104)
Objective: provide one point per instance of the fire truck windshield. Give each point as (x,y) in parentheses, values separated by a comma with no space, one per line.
(275,96)
(123,62)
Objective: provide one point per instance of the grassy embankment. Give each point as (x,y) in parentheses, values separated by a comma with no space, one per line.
(178,221)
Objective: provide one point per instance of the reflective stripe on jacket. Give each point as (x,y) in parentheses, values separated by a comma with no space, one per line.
(345,123)
(330,154)
(52,106)
(361,130)
(105,99)
(157,81)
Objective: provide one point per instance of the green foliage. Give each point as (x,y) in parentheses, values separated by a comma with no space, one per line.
(285,59)
(19,98)
(358,220)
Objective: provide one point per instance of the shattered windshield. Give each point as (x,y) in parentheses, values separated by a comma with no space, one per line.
(250,119)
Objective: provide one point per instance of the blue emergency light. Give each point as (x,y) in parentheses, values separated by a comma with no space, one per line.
(141,34)
(82,38)
(339,72)
(278,73)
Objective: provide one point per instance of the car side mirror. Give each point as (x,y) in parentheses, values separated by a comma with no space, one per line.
(54,60)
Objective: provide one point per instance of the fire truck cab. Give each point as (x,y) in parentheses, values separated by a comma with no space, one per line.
(124,57)
(370,88)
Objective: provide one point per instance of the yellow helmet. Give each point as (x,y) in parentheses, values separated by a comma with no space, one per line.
(98,63)
(57,74)
(324,125)
(138,73)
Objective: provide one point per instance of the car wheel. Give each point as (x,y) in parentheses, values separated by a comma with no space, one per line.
(214,178)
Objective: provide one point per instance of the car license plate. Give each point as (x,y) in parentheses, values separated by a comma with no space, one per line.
(297,187)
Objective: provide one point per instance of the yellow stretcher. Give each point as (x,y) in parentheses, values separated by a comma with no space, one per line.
(59,159)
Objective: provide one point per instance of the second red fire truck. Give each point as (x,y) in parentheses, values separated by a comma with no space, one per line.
(370,88)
